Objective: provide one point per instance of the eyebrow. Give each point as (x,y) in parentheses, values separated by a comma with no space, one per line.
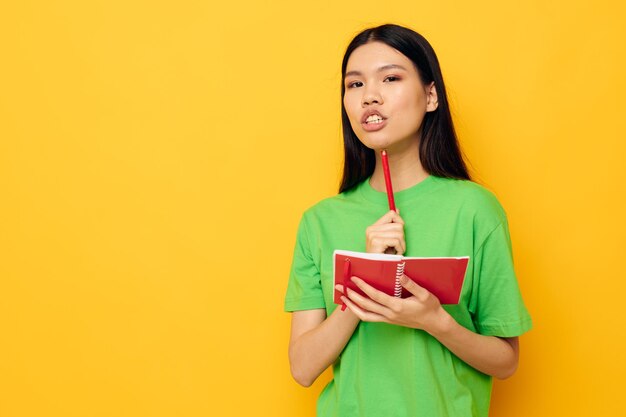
(381,69)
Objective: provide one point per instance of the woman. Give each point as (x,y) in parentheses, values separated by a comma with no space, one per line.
(412,356)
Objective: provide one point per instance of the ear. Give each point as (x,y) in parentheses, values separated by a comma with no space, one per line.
(432,101)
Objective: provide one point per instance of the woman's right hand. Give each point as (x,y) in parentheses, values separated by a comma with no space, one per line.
(386,234)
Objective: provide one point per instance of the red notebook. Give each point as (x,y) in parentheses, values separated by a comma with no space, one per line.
(441,276)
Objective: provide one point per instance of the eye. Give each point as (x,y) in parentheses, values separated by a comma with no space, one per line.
(392,78)
(354,84)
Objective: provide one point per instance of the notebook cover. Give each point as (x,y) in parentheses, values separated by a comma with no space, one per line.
(380,274)
(441,276)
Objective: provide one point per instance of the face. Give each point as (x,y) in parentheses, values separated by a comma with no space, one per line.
(384,97)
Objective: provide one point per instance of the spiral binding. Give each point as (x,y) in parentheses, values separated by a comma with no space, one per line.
(397,291)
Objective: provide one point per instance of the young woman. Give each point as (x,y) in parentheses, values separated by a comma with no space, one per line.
(412,356)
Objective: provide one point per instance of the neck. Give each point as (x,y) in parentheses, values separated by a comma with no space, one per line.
(405,167)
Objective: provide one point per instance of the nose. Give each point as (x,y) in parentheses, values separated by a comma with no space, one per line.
(370,96)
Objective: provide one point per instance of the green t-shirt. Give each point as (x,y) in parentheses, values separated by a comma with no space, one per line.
(388,370)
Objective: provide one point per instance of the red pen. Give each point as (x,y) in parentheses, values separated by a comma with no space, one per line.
(392,203)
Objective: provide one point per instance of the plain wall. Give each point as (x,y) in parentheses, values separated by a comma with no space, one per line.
(155,158)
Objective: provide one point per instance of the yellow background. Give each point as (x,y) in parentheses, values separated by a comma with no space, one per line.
(155,158)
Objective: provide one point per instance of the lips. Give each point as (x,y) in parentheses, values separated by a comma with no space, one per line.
(370,113)
(372,121)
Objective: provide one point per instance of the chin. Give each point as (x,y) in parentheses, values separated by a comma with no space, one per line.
(377,145)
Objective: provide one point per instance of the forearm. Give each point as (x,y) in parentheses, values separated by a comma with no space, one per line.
(489,354)
(315,350)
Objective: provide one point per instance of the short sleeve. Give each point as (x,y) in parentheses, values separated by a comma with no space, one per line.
(304,290)
(496,302)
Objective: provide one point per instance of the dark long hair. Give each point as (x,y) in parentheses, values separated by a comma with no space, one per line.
(439,149)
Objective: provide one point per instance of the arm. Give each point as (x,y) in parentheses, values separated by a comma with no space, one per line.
(489,354)
(317,341)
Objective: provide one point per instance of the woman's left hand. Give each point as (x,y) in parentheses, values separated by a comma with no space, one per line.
(420,311)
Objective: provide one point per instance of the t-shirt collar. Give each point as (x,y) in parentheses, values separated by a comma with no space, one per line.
(377,197)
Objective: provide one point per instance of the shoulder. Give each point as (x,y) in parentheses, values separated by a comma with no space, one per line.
(329,206)
(473,198)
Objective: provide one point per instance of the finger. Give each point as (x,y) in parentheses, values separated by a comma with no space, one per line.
(386,240)
(379,245)
(413,287)
(385,236)
(360,313)
(379,297)
(386,228)
(390,217)
(397,218)
(365,303)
